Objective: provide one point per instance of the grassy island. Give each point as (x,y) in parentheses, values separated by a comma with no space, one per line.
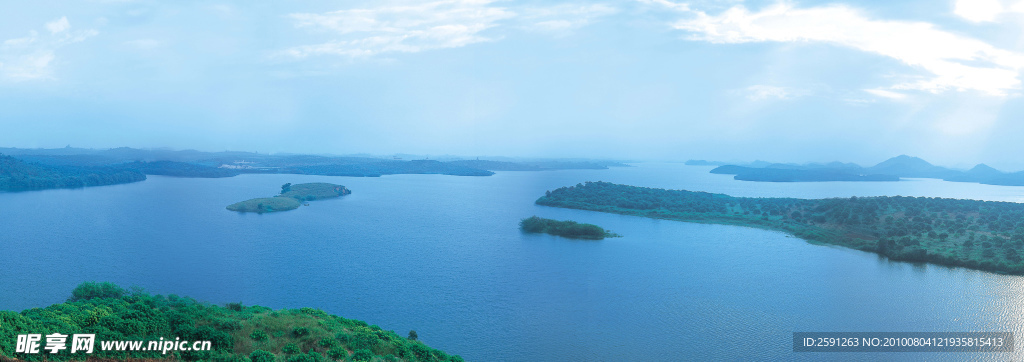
(236,332)
(568,229)
(983,235)
(291,197)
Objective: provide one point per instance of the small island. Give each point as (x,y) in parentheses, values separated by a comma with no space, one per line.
(291,197)
(567,229)
(984,235)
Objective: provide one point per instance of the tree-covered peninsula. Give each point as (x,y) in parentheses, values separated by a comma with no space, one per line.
(985,235)
(237,333)
(568,229)
(291,197)
(18,175)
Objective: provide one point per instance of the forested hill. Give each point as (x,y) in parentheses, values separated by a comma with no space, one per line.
(236,332)
(982,235)
(17,175)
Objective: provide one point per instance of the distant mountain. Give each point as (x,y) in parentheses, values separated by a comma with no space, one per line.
(756,163)
(987,175)
(730,169)
(983,170)
(907,166)
(836,165)
(495,165)
(770,174)
(889,170)
(705,163)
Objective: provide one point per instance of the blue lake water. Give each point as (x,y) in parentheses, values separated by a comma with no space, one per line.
(443,255)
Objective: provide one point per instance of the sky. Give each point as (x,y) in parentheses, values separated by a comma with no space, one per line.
(783,81)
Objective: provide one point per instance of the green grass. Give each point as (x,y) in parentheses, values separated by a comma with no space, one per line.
(291,197)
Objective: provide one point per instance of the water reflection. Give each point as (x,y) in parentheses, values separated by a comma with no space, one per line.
(443,255)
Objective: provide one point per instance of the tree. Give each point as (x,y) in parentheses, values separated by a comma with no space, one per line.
(286,187)
(412,335)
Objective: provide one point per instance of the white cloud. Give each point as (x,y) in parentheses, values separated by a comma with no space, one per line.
(401,28)
(33,35)
(978,10)
(564,17)
(30,66)
(31,57)
(887,94)
(667,4)
(955,62)
(984,11)
(59,25)
(760,92)
(439,24)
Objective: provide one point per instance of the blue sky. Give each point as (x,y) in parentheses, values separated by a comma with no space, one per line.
(792,81)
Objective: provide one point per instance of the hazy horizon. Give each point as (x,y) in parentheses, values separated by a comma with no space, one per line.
(446,157)
(781,81)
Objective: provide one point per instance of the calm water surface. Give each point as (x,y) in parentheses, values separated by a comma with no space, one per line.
(443,255)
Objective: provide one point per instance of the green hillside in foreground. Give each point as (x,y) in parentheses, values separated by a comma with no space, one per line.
(238,333)
(983,235)
(291,197)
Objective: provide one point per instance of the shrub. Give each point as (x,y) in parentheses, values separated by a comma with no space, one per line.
(259,335)
(225,356)
(300,332)
(311,357)
(362,355)
(290,348)
(363,340)
(336,353)
(328,342)
(260,355)
(219,339)
(229,324)
(342,337)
